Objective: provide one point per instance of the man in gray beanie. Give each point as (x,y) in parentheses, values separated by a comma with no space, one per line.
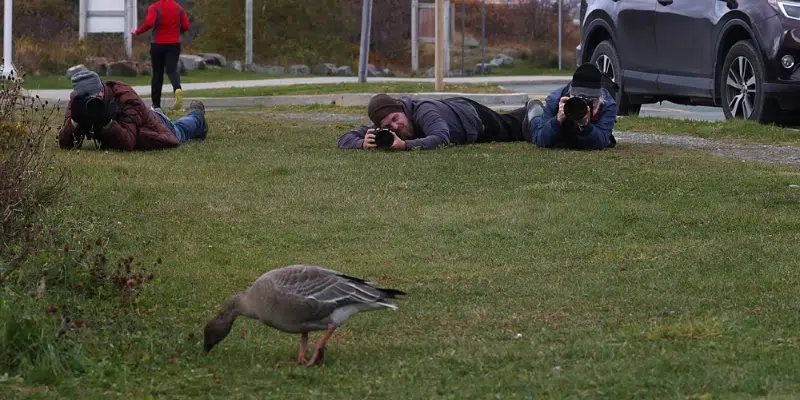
(113,114)
(86,82)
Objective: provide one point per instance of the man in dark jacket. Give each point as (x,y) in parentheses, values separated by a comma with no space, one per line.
(115,116)
(551,128)
(429,124)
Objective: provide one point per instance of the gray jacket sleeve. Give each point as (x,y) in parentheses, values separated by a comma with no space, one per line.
(353,139)
(434,129)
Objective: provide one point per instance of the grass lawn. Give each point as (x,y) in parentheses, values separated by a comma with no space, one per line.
(221,74)
(206,75)
(641,271)
(368,87)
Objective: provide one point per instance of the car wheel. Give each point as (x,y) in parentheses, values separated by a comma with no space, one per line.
(741,84)
(606,59)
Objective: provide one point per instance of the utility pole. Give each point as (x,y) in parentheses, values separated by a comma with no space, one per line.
(439,45)
(366,27)
(248,34)
(560,34)
(8,68)
(414,35)
(483,37)
(463,33)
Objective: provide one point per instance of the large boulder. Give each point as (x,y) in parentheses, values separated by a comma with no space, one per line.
(123,68)
(190,62)
(325,69)
(213,59)
(299,69)
(344,70)
(235,65)
(98,65)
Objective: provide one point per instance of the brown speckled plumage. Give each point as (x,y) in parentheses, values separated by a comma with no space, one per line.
(300,299)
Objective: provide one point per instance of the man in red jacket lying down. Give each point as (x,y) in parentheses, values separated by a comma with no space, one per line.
(116,117)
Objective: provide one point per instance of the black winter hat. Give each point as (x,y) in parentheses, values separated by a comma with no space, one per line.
(382,105)
(586,81)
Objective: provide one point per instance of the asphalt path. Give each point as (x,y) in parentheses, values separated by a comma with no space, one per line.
(665,109)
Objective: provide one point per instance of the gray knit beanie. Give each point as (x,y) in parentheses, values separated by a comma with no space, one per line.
(86,82)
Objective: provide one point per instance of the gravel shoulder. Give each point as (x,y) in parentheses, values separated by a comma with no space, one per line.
(763,153)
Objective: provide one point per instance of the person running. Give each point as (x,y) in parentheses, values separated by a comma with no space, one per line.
(168,20)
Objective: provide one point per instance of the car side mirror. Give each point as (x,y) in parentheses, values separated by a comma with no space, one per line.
(732,4)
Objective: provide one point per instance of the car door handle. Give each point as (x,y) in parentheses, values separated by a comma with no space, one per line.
(665,2)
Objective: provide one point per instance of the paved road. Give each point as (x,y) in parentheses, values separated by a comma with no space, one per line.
(666,109)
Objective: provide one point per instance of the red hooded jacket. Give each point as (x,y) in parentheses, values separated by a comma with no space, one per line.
(167,19)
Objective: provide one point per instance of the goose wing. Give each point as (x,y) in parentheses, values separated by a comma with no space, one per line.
(331,288)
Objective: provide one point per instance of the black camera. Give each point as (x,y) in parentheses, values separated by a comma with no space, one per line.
(383,138)
(575,108)
(85,110)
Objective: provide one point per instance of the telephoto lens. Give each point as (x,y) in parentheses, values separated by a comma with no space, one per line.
(384,138)
(575,108)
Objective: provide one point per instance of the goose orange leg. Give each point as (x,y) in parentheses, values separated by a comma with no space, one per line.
(301,356)
(319,350)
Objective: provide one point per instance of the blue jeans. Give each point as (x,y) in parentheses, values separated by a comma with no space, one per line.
(185,128)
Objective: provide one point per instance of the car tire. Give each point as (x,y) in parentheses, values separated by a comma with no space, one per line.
(743,64)
(606,59)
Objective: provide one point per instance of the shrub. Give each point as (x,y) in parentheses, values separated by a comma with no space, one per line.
(56,277)
(29,180)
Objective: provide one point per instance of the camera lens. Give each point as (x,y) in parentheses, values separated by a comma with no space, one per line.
(575,109)
(384,138)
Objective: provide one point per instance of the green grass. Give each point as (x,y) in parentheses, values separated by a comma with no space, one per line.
(222,74)
(640,271)
(367,87)
(206,75)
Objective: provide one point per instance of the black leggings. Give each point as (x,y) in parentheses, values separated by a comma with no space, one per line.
(164,56)
(502,127)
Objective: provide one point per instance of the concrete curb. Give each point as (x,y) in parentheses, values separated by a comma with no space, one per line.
(339,99)
(144,90)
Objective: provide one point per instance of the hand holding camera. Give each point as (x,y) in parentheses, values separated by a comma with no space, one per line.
(575,109)
(382,138)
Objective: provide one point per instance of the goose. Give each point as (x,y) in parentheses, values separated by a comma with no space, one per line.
(299,299)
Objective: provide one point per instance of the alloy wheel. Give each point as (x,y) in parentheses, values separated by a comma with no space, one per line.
(605,66)
(741,88)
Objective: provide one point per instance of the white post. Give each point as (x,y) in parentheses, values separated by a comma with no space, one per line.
(248,35)
(82,8)
(414,35)
(8,67)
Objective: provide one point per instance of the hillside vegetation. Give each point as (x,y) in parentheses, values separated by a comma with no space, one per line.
(291,32)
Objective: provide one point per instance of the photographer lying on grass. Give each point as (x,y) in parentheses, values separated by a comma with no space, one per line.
(580,115)
(428,124)
(116,117)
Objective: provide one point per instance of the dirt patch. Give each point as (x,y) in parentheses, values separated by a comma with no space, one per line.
(764,153)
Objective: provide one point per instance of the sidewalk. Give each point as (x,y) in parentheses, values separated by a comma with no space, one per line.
(61,96)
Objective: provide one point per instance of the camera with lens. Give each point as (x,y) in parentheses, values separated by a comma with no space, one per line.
(85,110)
(576,107)
(383,138)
